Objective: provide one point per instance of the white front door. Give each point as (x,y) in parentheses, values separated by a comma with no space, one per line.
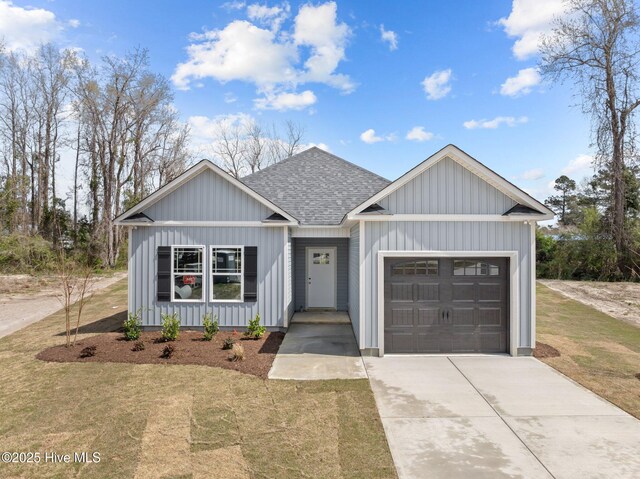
(321,278)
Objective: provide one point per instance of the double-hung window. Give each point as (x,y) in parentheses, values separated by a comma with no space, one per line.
(227,273)
(187,273)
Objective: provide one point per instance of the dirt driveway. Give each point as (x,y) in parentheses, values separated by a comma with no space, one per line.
(619,300)
(26,299)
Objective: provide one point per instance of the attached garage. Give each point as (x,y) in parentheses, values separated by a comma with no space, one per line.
(446,305)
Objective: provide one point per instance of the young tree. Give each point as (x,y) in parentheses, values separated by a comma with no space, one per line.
(597,46)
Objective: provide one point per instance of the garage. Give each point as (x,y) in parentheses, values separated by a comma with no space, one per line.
(446,305)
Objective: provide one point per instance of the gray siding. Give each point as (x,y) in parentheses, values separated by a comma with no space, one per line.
(445,236)
(300,282)
(354,281)
(208,197)
(271,270)
(447,188)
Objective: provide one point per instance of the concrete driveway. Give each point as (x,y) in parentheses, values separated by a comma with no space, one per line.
(498,416)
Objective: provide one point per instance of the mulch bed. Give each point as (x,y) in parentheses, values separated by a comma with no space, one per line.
(190,348)
(543,350)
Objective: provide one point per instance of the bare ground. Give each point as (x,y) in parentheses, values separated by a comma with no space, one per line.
(619,300)
(25,299)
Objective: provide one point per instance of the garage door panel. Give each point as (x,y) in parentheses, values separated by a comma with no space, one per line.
(402,317)
(427,292)
(428,316)
(463,316)
(451,309)
(401,292)
(463,292)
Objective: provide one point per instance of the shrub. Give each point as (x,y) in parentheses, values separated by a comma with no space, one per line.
(20,253)
(170,327)
(133,326)
(228,343)
(168,351)
(88,352)
(210,327)
(237,353)
(139,346)
(254,330)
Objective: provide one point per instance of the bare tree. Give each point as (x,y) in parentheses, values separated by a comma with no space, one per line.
(75,288)
(597,46)
(229,148)
(256,143)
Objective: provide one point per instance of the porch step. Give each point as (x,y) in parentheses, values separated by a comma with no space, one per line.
(321,317)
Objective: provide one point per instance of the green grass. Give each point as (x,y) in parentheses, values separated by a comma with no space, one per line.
(178,421)
(600,352)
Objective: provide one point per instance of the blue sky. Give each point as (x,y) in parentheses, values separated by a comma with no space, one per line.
(437,69)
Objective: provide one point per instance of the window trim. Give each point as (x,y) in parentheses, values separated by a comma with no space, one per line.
(173,273)
(211,274)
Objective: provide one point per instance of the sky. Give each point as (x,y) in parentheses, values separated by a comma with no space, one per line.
(382,84)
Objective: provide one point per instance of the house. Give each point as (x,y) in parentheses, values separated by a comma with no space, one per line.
(441,260)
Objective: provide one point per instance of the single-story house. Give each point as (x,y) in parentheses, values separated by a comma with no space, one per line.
(441,260)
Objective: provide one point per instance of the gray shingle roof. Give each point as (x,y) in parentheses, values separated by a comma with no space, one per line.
(316,187)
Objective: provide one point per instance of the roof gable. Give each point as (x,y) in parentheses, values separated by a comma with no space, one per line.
(204,193)
(315,186)
(456,156)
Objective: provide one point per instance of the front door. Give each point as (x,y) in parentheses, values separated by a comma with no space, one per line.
(321,278)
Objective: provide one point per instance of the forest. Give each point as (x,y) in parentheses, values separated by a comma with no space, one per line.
(116,123)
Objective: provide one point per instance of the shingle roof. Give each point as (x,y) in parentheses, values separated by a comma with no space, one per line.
(316,187)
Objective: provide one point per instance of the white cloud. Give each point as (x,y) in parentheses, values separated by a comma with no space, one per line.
(369,136)
(528,21)
(580,165)
(271,16)
(286,101)
(532,175)
(27,28)
(230,98)
(276,62)
(234,5)
(522,83)
(390,37)
(417,133)
(437,85)
(322,146)
(495,123)
(205,130)
(74,23)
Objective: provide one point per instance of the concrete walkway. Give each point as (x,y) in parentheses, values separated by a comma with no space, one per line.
(498,416)
(318,351)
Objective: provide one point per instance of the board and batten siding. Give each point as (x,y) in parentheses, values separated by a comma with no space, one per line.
(445,236)
(447,188)
(270,242)
(208,197)
(354,281)
(300,268)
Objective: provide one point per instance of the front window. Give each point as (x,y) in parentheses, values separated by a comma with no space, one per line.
(227,281)
(187,273)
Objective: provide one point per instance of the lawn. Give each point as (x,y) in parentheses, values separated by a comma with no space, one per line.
(178,421)
(600,352)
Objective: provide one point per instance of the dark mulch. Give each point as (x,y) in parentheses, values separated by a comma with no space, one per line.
(188,349)
(543,350)
(638,376)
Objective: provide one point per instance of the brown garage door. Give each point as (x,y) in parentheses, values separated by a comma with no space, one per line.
(446,305)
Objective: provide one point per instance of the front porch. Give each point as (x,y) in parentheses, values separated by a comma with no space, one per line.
(319,346)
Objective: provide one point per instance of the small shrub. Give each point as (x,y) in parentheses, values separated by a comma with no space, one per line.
(133,326)
(254,330)
(170,327)
(168,351)
(228,343)
(88,352)
(139,346)
(210,327)
(237,353)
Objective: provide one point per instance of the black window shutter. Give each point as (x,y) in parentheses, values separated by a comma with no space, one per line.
(164,273)
(250,274)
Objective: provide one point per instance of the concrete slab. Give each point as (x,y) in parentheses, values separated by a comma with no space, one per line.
(321,317)
(477,447)
(317,352)
(526,387)
(583,446)
(441,390)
